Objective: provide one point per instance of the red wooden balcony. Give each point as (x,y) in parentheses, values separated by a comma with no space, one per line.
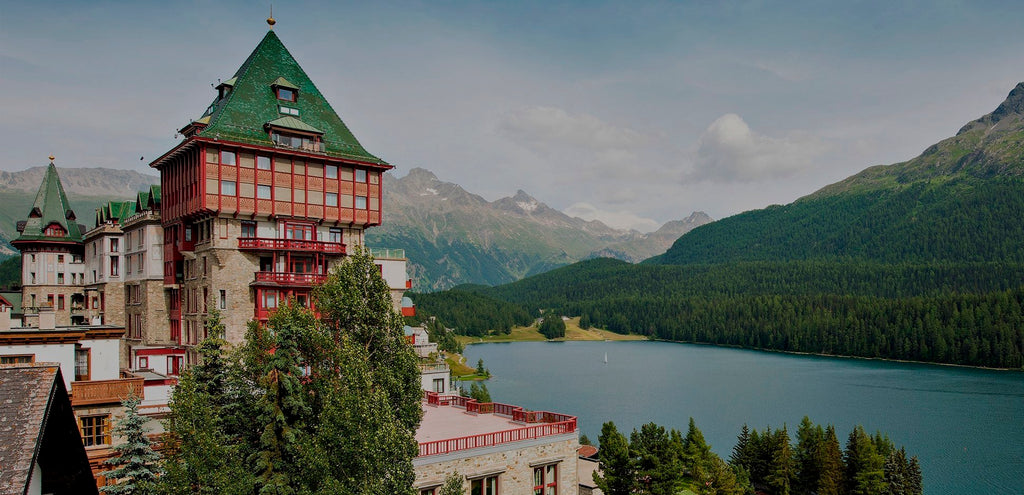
(291,279)
(105,391)
(268,244)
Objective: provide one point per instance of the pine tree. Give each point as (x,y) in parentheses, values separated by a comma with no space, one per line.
(864,467)
(896,474)
(741,452)
(830,481)
(807,456)
(136,463)
(657,466)
(781,470)
(617,476)
(915,484)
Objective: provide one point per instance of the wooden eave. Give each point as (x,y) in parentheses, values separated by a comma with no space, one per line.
(37,337)
(292,152)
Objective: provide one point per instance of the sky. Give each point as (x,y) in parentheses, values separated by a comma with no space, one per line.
(634,113)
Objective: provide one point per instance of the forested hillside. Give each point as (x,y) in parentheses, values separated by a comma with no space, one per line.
(922,260)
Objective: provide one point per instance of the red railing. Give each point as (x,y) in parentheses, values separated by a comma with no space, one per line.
(290,278)
(549,424)
(267,244)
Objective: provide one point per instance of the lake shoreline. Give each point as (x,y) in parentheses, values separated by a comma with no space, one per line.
(777,351)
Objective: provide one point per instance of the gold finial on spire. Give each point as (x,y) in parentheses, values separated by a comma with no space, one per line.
(270,20)
(51,158)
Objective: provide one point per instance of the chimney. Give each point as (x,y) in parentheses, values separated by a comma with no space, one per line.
(5,317)
(47,318)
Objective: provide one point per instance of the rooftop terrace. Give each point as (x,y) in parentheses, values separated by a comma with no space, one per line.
(452,423)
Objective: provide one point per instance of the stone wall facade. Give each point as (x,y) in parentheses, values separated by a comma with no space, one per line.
(512,463)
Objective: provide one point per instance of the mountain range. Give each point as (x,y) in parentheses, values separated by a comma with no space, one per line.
(454,237)
(450,236)
(919,260)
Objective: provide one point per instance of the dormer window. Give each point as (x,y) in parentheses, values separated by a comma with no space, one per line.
(284,90)
(288,110)
(54,230)
(307,143)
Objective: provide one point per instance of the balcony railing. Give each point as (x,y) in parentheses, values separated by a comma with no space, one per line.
(433,367)
(291,279)
(270,244)
(106,391)
(387,253)
(542,424)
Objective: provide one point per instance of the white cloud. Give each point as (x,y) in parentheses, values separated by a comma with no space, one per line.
(728,151)
(549,126)
(614,219)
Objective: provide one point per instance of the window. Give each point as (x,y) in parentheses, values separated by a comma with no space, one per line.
(262,191)
(95,429)
(439,385)
(285,94)
(331,171)
(115,244)
(227,157)
(270,299)
(223,302)
(60,279)
(301,231)
(83,364)
(174,365)
(334,235)
(143,362)
(227,187)
(60,258)
(204,266)
(54,230)
(60,301)
(360,175)
(142,261)
(248,229)
(361,202)
(18,359)
(141,236)
(263,162)
(34,256)
(331,199)
(428,491)
(484,486)
(114,266)
(288,110)
(545,480)
(32,277)
(303,142)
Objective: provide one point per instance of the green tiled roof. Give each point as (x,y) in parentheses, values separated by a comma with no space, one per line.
(148,200)
(115,211)
(294,123)
(252,102)
(50,207)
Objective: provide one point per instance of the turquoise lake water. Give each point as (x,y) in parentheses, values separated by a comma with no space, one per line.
(966,426)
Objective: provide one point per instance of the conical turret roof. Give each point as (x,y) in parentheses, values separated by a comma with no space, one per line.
(51,207)
(244,108)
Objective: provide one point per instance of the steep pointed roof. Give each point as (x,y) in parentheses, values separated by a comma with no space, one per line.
(114,211)
(251,103)
(50,207)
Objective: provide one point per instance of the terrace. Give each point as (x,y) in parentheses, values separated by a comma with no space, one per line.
(452,423)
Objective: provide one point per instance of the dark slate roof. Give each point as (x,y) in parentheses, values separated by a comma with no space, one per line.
(51,206)
(251,103)
(37,426)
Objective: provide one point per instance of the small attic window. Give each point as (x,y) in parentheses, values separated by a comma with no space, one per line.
(288,110)
(286,94)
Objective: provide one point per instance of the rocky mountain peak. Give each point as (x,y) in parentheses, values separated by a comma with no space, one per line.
(1010,110)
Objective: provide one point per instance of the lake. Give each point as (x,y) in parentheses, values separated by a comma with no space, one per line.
(966,426)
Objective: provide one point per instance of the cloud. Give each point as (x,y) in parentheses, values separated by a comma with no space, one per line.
(614,219)
(728,151)
(544,127)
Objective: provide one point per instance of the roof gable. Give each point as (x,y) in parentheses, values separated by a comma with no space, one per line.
(252,102)
(51,206)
